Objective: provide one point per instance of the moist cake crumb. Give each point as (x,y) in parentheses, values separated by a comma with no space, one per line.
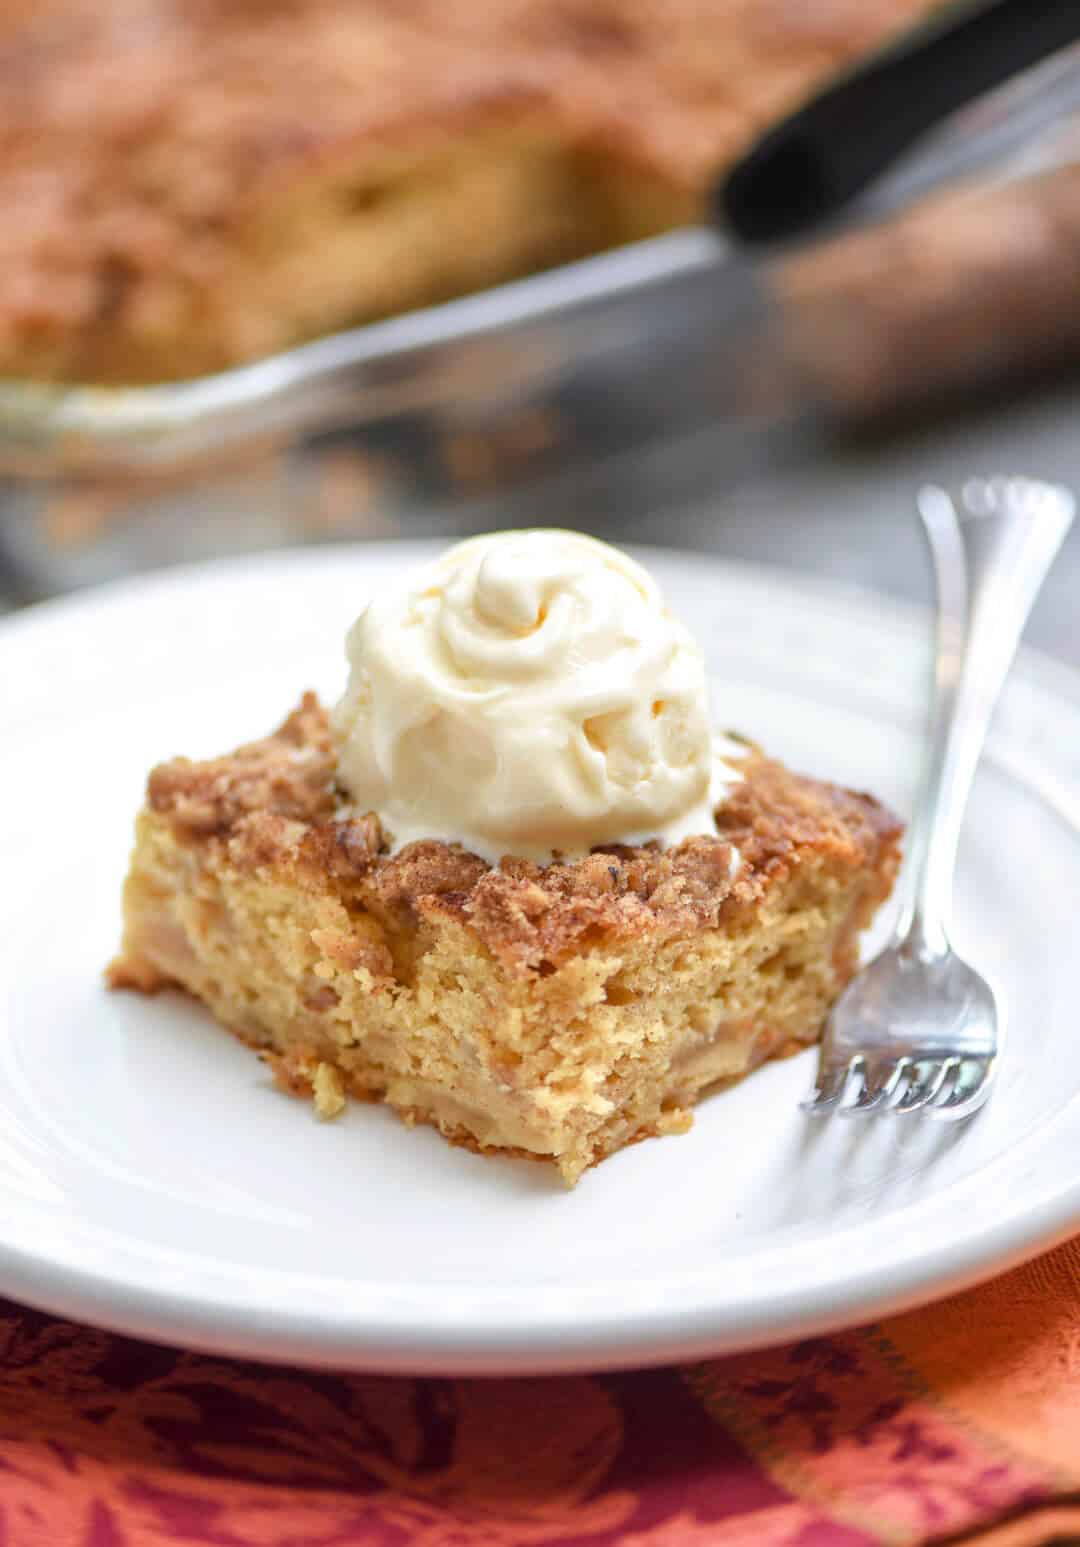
(328,1091)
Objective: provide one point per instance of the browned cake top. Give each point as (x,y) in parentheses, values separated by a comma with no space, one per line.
(274,804)
(134,134)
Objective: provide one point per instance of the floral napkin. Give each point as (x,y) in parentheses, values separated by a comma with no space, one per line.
(956,1423)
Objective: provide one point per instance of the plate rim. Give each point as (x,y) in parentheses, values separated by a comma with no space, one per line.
(638,1338)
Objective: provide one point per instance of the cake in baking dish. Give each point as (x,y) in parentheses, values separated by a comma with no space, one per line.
(189,186)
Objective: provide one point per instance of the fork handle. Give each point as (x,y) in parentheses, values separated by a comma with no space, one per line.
(990,559)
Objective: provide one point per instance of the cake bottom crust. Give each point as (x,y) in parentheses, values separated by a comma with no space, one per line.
(490,1118)
(697,1072)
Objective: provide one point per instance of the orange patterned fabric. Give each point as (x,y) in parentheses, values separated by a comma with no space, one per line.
(960,1422)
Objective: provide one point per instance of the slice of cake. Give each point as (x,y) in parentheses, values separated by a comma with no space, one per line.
(559,1004)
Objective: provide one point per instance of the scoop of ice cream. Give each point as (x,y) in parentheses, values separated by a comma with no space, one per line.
(529,695)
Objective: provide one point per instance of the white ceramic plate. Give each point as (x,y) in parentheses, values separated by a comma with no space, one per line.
(152,1180)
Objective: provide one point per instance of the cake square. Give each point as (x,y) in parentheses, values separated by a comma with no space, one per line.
(558,1011)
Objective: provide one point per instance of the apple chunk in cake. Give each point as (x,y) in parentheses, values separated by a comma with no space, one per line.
(560,1011)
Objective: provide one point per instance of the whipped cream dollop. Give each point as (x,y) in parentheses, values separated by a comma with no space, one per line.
(529,695)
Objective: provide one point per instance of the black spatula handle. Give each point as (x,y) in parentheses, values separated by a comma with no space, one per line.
(804,171)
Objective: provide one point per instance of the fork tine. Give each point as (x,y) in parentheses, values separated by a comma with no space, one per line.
(879,1081)
(897,1084)
(951,1072)
(925,1087)
(831,1084)
(967,1095)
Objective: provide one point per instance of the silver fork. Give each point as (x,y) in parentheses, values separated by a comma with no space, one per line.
(918,1027)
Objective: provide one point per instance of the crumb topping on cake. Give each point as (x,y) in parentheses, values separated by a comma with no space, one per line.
(273,805)
(287,775)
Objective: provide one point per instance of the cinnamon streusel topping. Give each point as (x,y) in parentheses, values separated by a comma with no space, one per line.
(273,804)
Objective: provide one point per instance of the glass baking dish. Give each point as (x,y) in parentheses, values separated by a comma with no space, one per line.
(587,395)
